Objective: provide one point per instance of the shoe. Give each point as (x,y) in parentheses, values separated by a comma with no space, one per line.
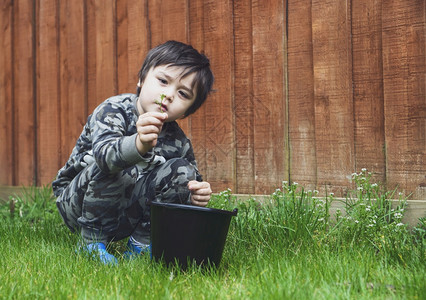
(134,251)
(98,251)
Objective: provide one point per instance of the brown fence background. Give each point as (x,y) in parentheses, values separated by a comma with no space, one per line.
(306,90)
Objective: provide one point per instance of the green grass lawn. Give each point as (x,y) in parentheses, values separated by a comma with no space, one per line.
(287,249)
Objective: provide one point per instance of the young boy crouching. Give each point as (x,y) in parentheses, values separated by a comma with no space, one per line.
(132,152)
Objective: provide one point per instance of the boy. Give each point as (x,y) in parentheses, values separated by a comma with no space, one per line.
(132,152)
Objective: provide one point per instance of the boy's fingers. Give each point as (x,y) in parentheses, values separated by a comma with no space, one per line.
(199,202)
(196,185)
(154,116)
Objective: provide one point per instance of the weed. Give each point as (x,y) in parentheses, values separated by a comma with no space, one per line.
(160,103)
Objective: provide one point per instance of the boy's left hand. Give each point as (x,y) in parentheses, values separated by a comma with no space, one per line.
(200,192)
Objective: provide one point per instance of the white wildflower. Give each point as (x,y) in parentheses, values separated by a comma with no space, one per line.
(320,219)
(400,224)
(367,208)
(356,221)
(397,215)
(359,188)
(374,185)
(364,169)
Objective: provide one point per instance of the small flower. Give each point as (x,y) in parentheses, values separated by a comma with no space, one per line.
(359,188)
(356,221)
(367,208)
(364,169)
(295,183)
(400,224)
(397,215)
(320,219)
(331,194)
(374,185)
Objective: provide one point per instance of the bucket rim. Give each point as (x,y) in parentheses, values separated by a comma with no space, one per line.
(196,208)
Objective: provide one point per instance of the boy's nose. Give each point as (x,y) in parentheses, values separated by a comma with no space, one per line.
(169,96)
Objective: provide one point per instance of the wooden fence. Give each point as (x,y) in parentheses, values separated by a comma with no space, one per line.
(307,91)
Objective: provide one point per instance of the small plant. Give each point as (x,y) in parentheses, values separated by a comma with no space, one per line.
(34,205)
(160,103)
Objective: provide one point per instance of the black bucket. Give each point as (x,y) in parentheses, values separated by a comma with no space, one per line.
(185,233)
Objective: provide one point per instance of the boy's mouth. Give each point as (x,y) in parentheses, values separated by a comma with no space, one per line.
(164,107)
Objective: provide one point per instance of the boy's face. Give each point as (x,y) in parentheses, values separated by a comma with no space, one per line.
(179,91)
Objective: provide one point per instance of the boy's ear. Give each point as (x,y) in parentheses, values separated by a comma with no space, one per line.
(139,83)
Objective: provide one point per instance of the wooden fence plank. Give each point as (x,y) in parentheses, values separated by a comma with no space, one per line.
(106,81)
(404,94)
(132,42)
(73,83)
(124,84)
(243,97)
(218,114)
(101,51)
(368,87)
(271,167)
(48,114)
(6,96)
(301,94)
(197,120)
(333,94)
(24,92)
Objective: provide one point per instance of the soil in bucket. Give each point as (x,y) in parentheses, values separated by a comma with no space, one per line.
(184,233)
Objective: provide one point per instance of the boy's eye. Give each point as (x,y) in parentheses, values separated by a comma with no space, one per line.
(184,95)
(163,81)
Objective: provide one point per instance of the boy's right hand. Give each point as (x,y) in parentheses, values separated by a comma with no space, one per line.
(149,126)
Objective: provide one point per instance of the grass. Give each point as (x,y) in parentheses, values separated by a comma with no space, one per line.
(289,248)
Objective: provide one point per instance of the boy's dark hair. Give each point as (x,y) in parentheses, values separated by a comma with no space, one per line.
(178,54)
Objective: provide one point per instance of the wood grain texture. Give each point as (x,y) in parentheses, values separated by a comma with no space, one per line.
(197,120)
(6,96)
(334,129)
(24,102)
(335,87)
(219,143)
(73,74)
(243,97)
(48,92)
(404,94)
(368,88)
(269,95)
(303,165)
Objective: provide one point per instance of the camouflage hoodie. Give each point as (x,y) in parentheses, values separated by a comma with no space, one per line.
(108,138)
